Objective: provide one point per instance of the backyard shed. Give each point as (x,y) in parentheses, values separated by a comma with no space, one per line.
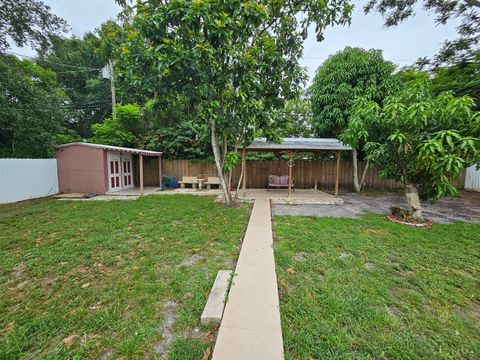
(101,169)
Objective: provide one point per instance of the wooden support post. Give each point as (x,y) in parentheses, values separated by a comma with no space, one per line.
(140,162)
(160,171)
(337,173)
(315,170)
(290,166)
(244,175)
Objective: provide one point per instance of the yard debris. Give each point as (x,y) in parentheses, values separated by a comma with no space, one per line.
(369,266)
(86,285)
(206,353)
(70,339)
(21,285)
(8,328)
(187,295)
(344,256)
(290,271)
(96,306)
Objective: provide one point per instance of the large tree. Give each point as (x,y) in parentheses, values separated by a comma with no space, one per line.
(418,139)
(28,22)
(78,63)
(32,107)
(339,82)
(237,61)
(464,12)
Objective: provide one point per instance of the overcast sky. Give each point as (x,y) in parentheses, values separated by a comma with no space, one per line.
(417,37)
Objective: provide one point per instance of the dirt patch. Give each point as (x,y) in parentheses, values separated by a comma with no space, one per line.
(18,270)
(192,260)
(21,285)
(344,256)
(300,257)
(165,328)
(374,231)
(471,312)
(394,310)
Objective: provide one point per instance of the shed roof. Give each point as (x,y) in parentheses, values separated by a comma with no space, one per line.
(299,144)
(114,148)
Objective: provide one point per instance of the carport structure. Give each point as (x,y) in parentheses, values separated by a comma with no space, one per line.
(291,146)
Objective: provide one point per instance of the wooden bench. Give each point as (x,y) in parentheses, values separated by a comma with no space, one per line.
(213,180)
(189,180)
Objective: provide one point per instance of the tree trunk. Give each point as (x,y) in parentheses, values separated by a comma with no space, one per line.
(219,162)
(413,201)
(355,171)
(364,175)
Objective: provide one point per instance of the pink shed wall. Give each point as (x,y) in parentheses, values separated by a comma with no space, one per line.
(82,169)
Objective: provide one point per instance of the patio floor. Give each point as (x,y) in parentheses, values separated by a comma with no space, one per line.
(298,197)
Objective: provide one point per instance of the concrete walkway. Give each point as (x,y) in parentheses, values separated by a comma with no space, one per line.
(250,328)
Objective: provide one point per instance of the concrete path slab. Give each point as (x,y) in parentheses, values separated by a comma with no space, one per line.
(251,328)
(213,311)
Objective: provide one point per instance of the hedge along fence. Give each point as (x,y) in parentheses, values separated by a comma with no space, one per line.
(303,173)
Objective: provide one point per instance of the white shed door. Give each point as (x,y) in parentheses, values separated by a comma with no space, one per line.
(114,172)
(127,177)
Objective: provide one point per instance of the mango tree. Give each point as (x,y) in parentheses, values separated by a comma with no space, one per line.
(339,81)
(236,61)
(418,139)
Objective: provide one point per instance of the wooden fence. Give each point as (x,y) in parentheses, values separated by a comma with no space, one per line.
(303,173)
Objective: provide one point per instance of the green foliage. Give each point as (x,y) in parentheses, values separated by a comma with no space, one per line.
(295,120)
(67,137)
(232,159)
(462,79)
(456,51)
(340,80)
(111,132)
(77,63)
(130,118)
(185,140)
(419,139)
(32,106)
(410,74)
(28,22)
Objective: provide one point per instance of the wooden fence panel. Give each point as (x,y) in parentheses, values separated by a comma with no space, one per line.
(303,173)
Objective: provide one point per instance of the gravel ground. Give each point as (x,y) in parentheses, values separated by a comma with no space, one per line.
(465,207)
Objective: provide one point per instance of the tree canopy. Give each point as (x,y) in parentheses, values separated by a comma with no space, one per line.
(340,80)
(28,22)
(416,138)
(33,109)
(237,62)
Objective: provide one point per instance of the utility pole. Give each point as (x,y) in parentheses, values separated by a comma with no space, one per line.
(112,86)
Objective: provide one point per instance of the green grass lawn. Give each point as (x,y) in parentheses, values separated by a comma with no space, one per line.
(370,289)
(112,279)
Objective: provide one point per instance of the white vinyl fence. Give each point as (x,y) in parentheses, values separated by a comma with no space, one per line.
(22,179)
(472,179)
